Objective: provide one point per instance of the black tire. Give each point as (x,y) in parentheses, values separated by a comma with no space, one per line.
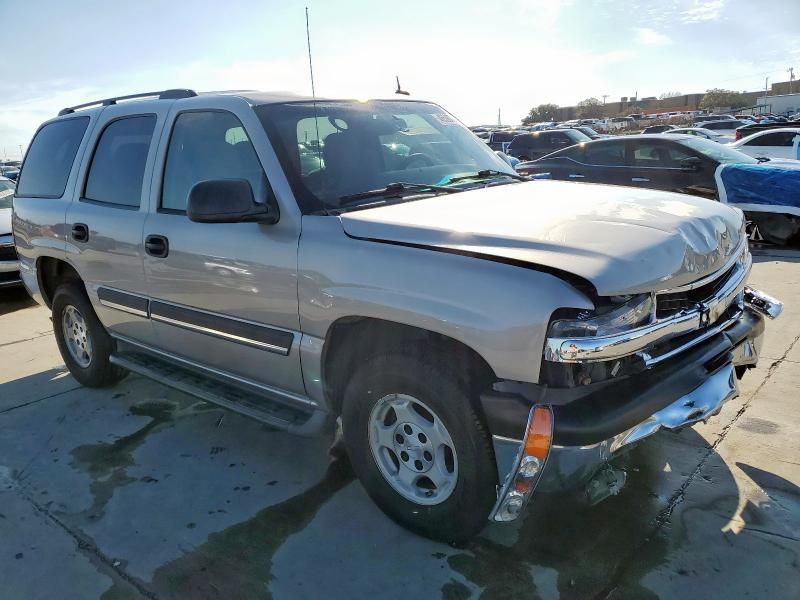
(465,512)
(99,372)
(776,228)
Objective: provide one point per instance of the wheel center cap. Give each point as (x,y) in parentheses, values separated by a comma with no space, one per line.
(413,447)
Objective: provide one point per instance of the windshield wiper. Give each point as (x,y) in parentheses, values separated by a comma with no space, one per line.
(486,174)
(396,189)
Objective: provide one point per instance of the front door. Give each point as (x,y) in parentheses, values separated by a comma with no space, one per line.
(656,164)
(104,225)
(223,295)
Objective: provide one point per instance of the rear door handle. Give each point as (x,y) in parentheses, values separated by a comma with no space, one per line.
(80,232)
(640,179)
(576,176)
(156,245)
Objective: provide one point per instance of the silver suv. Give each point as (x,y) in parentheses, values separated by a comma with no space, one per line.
(478,336)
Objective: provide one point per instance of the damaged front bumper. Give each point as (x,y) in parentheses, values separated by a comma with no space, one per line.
(586,432)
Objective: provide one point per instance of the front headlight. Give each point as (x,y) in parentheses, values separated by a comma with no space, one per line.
(632,312)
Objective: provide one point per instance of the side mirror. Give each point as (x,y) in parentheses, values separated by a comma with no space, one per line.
(691,164)
(228,201)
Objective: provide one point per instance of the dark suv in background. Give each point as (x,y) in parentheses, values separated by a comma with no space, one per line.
(531,146)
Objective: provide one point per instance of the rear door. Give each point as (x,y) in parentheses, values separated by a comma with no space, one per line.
(604,162)
(223,295)
(104,223)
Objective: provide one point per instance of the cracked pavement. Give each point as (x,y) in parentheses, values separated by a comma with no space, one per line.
(138,491)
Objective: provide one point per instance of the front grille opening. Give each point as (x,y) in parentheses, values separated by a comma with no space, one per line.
(672,303)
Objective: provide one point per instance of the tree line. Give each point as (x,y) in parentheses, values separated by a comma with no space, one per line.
(592,108)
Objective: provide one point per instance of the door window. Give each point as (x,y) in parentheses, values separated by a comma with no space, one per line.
(783,139)
(658,155)
(116,174)
(50,157)
(208,145)
(609,154)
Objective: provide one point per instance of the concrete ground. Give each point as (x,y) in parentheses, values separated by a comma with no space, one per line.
(139,491)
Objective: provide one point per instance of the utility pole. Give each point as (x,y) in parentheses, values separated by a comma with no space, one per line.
(791,78)
(766,86)
(499,122)
(21,153)
(604,99)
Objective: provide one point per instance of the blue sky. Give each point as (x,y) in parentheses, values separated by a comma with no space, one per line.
(471,57)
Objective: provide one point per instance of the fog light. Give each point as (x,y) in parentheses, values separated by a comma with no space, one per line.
(522,480)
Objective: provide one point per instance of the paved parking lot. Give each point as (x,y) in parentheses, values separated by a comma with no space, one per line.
(139,491)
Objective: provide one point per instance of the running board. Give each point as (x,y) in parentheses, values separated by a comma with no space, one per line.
(247,403)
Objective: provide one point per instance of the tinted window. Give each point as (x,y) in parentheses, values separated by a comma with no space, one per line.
(605,154)
(50,157)
(782,139)
(205,146)
(655,154)
(117,170)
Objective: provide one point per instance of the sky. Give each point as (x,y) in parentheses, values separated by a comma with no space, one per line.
(472,57)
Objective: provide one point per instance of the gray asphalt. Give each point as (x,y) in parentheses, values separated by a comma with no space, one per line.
(141,492)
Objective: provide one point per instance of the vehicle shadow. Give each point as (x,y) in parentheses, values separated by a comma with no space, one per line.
(13,299)
(212,487)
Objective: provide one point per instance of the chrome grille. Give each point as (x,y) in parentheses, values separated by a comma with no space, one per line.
(673,303)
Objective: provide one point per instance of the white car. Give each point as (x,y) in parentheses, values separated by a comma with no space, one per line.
(726,126)
(714,136)
(9,265)
(781,143)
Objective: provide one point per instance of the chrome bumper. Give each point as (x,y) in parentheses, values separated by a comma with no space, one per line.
(9,266)
(570,466)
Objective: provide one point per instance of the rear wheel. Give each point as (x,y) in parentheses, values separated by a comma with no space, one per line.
(82,340)
(419,448)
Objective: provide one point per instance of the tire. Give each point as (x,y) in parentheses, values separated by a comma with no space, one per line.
(72,311)
(467,501)
(776,228)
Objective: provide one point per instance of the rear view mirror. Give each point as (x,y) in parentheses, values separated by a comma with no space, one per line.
(691,164)
(228,201)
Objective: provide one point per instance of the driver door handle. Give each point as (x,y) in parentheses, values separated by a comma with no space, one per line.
(576,176)
(156,245)
(80,232)
(640,179)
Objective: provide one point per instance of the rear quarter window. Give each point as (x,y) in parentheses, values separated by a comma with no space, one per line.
(50,157)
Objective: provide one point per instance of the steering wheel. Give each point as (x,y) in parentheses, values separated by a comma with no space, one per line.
(419,160)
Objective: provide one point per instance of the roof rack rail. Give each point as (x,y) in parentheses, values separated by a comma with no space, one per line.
(175,94)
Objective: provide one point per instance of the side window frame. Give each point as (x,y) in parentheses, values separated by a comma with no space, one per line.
(172,122)
(88,169)
(76,160)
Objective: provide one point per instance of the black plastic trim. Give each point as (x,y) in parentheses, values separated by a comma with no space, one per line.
(131,301)
(261,336)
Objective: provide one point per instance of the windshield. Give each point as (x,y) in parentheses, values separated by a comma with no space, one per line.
(353,147)
(717,151)
(6,193)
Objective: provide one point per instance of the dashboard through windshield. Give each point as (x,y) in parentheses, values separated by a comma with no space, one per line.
(340,148)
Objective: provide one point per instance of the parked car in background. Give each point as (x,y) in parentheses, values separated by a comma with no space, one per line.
(531,146)
(709,118)
(726,126)
(701,132)
(780,143)
(9,171)
(9,265)
(658,128)
(680,163)
(498,140)
(764,125)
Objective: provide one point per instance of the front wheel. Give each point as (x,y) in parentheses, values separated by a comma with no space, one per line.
(419,447)
(83,341)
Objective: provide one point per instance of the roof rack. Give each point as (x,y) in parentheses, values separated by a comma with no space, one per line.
(175,94)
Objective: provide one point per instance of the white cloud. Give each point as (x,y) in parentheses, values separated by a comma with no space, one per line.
(651,37)
(703,10)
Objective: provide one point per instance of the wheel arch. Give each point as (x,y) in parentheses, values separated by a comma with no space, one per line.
(52,272)
(351,340)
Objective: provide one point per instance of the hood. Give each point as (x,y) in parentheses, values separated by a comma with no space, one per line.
(622,240)
(5,221)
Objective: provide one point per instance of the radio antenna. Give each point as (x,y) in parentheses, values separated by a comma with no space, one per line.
(313,91)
